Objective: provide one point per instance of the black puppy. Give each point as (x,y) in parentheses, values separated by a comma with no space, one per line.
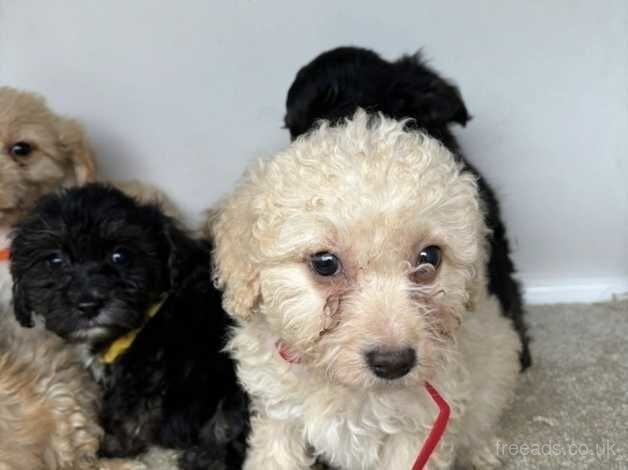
(124,282)
(339,81)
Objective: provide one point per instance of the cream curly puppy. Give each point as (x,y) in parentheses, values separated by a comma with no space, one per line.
(353,262)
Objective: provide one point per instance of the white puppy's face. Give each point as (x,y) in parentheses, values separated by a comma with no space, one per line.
(360,248)
(39,152)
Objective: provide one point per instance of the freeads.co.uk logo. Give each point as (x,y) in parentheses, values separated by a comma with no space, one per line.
(605,450)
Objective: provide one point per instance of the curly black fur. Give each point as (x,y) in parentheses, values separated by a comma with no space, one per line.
(90,262)
(339,81)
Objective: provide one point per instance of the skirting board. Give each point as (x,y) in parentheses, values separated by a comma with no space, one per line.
(575,291)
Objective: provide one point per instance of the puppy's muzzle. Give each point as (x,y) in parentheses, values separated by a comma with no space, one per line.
(391,364)
(90,307)
(89,297)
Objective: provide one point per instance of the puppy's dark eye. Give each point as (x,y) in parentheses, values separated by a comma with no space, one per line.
(325,263)
(430,255)
(121,257)
(427,263)
(20,149)
(55,260)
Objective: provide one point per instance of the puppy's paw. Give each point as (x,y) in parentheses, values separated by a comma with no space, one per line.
(121,464)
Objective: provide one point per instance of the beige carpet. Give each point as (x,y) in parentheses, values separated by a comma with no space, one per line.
(572,406)
(571,410)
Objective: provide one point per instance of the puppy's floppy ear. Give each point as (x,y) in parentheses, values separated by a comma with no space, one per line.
(75,145)
(308,101)
(420,93)
(21,308)
(235,269)
(19,264)
(477,282)
(185,254)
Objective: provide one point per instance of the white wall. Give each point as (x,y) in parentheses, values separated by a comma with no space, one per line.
(185,93)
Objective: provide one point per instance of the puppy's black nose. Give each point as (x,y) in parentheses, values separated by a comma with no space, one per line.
(391,364)
(90,308)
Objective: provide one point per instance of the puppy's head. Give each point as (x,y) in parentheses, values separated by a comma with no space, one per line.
(338,82)
(39,152)
(361,247)
(90,261)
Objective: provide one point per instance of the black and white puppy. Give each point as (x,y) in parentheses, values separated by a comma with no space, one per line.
(134,291)
(338,82)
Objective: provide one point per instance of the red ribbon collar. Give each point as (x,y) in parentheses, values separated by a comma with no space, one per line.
(438,428)
(5,254)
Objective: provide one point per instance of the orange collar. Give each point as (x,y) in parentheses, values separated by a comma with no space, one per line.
(4,254)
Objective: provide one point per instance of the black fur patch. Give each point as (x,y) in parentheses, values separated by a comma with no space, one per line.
(339,81)
(90,261)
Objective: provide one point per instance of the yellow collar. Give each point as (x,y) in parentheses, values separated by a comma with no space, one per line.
(120,345)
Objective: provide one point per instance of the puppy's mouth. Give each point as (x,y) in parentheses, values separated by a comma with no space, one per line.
(94,334)
(106,324)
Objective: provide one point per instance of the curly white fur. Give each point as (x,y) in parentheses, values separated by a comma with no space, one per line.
(374,195)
